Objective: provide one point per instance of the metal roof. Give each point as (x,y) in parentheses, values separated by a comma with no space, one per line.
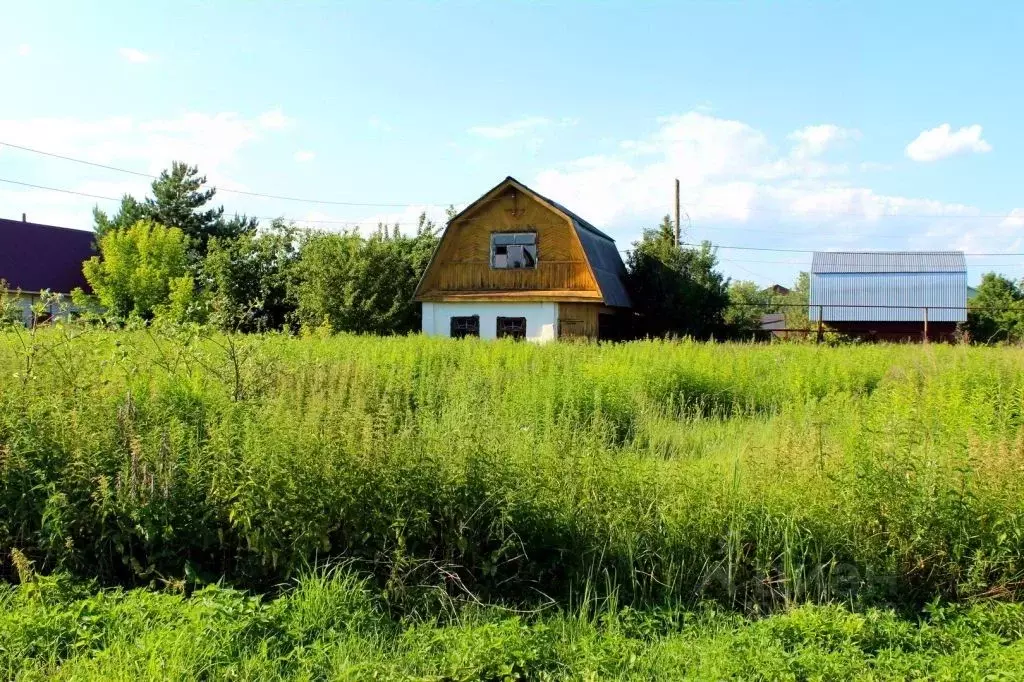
(604,258)
(605,261)
(888,261)
(34,257)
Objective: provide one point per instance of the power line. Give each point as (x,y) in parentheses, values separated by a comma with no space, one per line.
(58,189)
(82,161)
(746,270)
(349,223)
(773,231)
(804,262)
(409,205)
(279,197)
(358,224)
(863,214)
(762,248)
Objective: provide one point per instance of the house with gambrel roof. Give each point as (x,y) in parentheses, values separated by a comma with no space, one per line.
(517,264)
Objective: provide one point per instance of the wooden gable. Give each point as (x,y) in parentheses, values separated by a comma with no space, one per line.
(461,267)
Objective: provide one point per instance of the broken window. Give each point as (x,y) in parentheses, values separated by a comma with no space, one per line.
(465,326)
(512,250)
(512,327)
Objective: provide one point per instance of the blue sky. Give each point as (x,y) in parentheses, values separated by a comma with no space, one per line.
(791,125)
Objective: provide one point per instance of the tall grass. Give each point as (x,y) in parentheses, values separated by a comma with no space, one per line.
(662,474)
(329,625)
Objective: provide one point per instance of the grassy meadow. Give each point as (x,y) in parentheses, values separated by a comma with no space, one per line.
(180,504)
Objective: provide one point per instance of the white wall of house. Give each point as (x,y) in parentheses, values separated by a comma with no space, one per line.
(23,303)
(541,318)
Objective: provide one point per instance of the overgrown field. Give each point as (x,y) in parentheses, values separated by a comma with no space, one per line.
(663,478)
(332,627)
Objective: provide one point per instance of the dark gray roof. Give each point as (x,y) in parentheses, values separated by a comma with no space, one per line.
(773,321)
(604,258)
(829,262)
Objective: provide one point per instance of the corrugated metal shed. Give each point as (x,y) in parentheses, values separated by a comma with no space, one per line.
(902,283)
(888,261)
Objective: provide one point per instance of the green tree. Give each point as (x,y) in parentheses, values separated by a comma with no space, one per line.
(363,285)
(180,199)
(142,271)
(748,303)
(676,290)
(797,300)
(251,279)
(997,311)
(129,212)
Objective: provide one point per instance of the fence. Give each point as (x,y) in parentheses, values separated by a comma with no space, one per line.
(920,323)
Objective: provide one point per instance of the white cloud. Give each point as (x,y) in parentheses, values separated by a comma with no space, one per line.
(510,129)
(380,124)
(24,50)
(304,155)
(815,140)
(734,176)
(872,166)
(274,120)
(940,142)
(1015,219)
(211,141)
(134,56)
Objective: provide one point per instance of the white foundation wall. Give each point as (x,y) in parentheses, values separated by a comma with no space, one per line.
(541,318)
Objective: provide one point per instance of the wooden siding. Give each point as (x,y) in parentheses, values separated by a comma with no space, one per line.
(463,260)
(523,296)
(578,320)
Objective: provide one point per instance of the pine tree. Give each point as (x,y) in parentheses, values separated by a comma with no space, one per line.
(180,199)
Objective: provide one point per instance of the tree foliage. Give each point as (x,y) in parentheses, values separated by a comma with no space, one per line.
(748,303)
(797,300)
(677,291)
(129,212)
(349,283)
(142,271)
(997,310)
(181,200)
(251,278)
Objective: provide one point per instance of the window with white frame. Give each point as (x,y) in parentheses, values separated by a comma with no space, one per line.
(513,250)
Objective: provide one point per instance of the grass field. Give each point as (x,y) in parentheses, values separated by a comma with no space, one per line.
(651,508)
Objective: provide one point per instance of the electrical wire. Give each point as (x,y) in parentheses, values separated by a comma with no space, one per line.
(357,224)
(279,197)
(411,205)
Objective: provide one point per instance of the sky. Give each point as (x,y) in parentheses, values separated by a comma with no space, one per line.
(790,125)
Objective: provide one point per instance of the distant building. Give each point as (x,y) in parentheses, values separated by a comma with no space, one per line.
(775,325)
(37,258)
(889,295)
(778,290)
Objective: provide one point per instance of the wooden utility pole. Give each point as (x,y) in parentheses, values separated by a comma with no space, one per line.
(925,325)
(679,229)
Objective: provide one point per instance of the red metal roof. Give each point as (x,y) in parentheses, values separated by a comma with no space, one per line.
(34,257)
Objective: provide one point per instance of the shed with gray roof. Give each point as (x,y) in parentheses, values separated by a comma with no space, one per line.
(889,294)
